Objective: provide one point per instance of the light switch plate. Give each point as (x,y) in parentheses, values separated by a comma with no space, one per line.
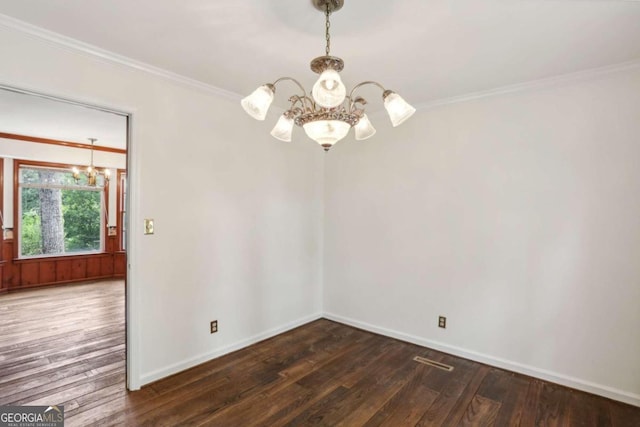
(148,226)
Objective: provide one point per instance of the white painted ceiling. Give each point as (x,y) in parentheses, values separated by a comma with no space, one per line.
(30,115)
(426,50)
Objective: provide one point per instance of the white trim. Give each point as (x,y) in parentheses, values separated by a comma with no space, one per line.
(134,282)
(532,371)
(91,50)
(205,357)
(533,84)
(67,98)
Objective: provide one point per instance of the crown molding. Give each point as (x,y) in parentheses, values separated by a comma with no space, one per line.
(61,143)
(94,51)
(534,84)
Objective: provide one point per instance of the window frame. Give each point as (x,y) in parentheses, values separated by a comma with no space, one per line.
(17,208)
(121,202)
(2,219)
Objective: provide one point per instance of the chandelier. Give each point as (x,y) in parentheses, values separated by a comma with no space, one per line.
(91,172)
(327,116)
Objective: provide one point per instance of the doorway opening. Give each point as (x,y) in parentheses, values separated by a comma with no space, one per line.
(64,243)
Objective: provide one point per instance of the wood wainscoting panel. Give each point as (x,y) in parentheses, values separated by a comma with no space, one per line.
(93,267)
(13,275)
(79,269)
(47,271)
(106,265)
(9,267)
(120,264)
(7,249)
(63,270)
(111,244)
(29,273)
(33,272)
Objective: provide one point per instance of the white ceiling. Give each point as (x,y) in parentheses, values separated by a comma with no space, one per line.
(31,115)
(426,50)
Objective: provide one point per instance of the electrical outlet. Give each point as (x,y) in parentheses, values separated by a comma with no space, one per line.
(214,326)
(442,322)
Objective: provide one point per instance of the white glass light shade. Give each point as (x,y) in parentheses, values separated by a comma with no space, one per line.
(283,129)
(257,104)
(364,129)
(327,132)
(329,91)
(399,110)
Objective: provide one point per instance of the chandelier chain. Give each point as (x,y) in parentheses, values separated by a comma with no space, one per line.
(93,140)
(327,12)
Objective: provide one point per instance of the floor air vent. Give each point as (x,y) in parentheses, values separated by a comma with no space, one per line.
(433,363)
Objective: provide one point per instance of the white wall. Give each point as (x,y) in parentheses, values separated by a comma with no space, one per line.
(237,214)
(516,216)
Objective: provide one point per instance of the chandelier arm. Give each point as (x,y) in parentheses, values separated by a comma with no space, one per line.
(351,102)
(293,80)
(294,99)
(368,82)
(305,101)
(304,92)
(311,103)
(353,106)
(347,101)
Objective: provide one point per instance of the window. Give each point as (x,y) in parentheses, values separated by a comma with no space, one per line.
(59,216)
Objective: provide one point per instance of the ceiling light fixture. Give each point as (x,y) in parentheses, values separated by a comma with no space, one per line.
(327,116)
(91,172)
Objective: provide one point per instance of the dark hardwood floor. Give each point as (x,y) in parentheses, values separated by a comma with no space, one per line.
(65,345)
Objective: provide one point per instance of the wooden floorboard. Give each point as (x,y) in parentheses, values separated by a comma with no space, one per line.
(66,345)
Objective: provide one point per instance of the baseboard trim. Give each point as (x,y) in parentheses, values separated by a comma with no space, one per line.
(532,371)
(205,357)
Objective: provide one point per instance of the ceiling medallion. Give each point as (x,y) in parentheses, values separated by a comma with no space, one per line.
(327,115)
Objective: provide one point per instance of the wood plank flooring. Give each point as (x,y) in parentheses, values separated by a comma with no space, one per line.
(65,345)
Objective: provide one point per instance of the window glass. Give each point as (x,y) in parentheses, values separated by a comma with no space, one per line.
(59,216)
